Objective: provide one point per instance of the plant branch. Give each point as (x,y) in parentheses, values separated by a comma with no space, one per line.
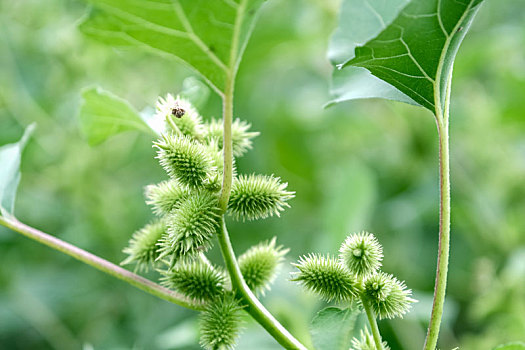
(227,116)
(442,121)
(99,263)
(373,324)
(253,305)
(227,112)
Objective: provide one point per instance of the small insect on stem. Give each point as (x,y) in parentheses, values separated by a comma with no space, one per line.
(178,111)
(460,29)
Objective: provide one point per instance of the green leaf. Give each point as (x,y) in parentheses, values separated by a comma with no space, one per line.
(103,114)
(333,328)
(359,22)
(414,52)
(355,83)
(511,346)
(210,36)
(10,158)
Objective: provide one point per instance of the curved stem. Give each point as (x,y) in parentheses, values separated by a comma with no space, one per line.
(373,324)
(442,118)
(253,305)
(99,263)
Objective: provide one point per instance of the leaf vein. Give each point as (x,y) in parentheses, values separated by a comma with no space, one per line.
(378,16)
(408,87)
(195,38)
(141,21)
(150,48)
(373,59)
(440,19)
(412,57)
(398,72)
(423,15)
(231,3)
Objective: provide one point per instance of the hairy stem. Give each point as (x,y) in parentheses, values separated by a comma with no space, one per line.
(442,118)
(227,115)
(373,324)
(253,305)
(99,263)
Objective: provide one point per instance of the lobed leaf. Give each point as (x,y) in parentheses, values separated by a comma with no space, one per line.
(103,115)
(413,53)
(210,36)
(333,328)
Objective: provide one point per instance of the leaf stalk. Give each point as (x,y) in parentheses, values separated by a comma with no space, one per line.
(442,121)
(100,264)
(373,324)
(253,305)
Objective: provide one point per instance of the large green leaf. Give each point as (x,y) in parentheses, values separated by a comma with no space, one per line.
(333,328)
(10,158)
(103,114)
(210,36)
(359,22)
(414,51)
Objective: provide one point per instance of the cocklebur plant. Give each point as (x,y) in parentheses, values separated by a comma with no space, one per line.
(143,245)
(403,50)
(198,157)
(366,342)
(187,207)
(356,277)
(259,265)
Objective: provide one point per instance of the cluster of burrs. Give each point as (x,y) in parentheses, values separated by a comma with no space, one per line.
(188,217)
(356,277)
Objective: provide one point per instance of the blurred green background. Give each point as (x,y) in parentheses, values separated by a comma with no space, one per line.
(361,165)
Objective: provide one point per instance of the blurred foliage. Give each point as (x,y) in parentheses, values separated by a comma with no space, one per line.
(362,165)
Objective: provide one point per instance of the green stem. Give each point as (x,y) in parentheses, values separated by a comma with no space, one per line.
(253,305)
(99,263)
(227,115)
(373,324)
(442,118)
(174,126)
